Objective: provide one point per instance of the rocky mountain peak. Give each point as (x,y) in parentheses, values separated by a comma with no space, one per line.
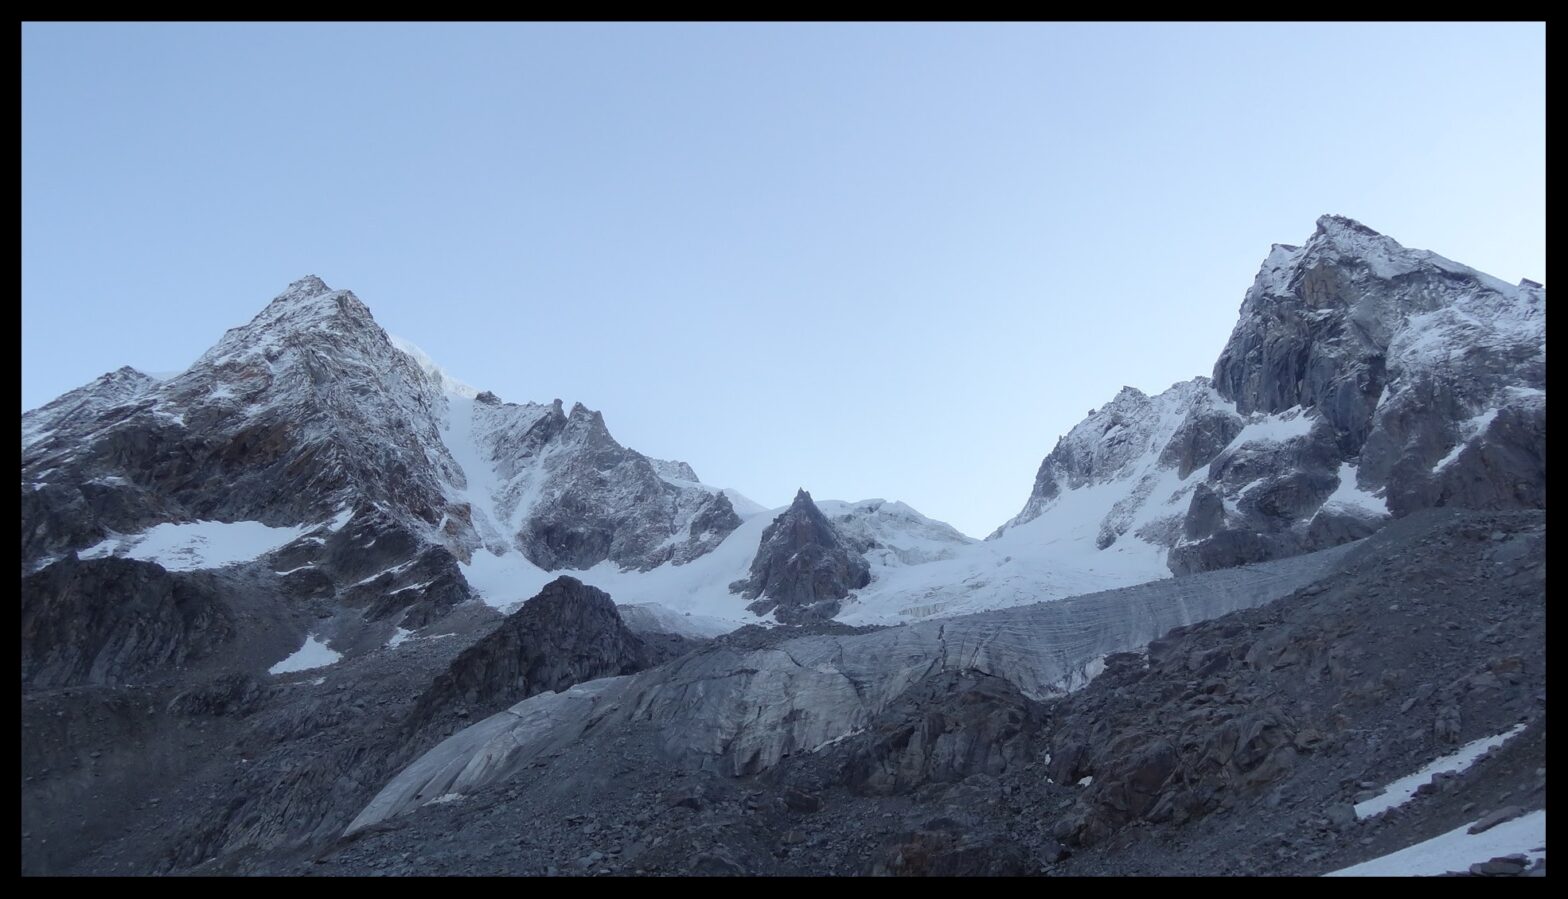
(567,633)
(583,413)
(587,426)
(1362,380)
(75,409)
(304,288)
(804,567)
(1318,326)
(1332,226)
(307,314)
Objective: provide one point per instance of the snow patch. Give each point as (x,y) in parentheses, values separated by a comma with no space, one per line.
(1470,428)
(314,654)
(447,383)
(1280,427)
(1458,849)
(1348,496)
(1400,791)
(199,544)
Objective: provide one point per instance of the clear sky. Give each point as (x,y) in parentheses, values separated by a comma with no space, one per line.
(887,261)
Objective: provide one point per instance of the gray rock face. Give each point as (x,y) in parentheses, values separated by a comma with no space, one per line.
(109,621)
(1134,439)
(803,567)
(1203,433)
(596,500)
(942,730)
(713,521)
(557,487)
(1393,347)
(1362,381)
(1317,327)
(1205,515)
(567,634)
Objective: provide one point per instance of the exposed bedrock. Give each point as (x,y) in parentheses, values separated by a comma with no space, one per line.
(567,634)
(803,568)
(107,621)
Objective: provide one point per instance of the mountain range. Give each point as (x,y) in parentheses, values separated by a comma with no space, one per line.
(314,529)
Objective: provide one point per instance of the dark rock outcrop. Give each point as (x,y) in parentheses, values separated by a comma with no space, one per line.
(109,621)
(1217,714)
(942,730)
(1205,514)
(803,568)
(567,634)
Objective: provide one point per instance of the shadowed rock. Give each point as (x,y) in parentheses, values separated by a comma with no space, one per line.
(106,621)
(566,634)
(803,567)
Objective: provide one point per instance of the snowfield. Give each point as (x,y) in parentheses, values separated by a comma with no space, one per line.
(314,654)
(198,544)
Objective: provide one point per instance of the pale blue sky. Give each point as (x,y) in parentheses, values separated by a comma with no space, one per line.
(870,260)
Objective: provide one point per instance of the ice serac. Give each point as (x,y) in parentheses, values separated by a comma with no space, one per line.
(804,568)
(1363,380)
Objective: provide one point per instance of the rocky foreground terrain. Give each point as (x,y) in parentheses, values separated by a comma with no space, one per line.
(1234,746)
(313,607)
